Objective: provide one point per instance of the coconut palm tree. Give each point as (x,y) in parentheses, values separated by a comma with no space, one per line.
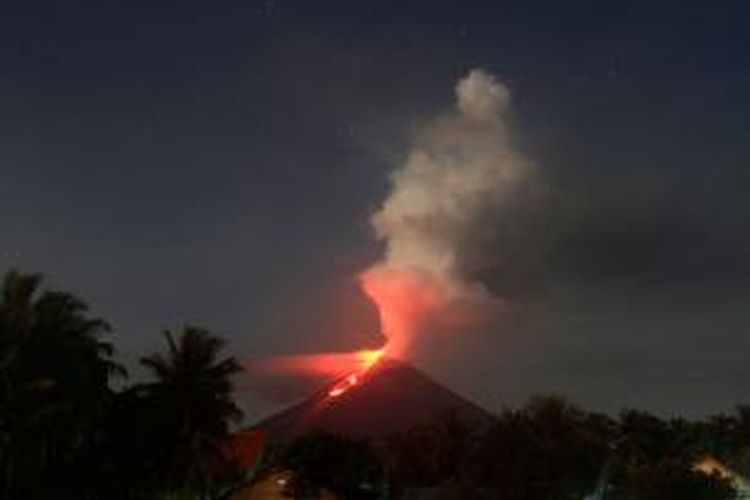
(192,407)
(54,387)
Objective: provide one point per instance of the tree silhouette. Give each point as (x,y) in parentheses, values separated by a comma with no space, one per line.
(191,408)
(322,461)
(548,449)
(54,389)
(437,452)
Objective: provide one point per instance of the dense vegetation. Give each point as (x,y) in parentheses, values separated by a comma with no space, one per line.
(545,450)
(66,432)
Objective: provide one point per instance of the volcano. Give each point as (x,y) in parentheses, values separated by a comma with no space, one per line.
(391,397)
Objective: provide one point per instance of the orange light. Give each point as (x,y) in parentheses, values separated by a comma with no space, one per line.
(367,359)
(337,391)
(344,385)
(370,357)
(405,301)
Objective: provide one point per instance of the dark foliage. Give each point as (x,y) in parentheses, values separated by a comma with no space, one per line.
(550,449)
(189,408)
(54,391)
(322,461)
(65,433)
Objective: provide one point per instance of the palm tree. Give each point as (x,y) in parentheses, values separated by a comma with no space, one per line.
(192,407)
(54,387)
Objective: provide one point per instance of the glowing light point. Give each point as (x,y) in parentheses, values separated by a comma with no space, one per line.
(367,359)
(344,386)
(336,392)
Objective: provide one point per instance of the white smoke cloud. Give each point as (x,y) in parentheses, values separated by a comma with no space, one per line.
(448,199)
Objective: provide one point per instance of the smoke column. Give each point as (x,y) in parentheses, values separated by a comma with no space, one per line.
(456,211)
(460,179)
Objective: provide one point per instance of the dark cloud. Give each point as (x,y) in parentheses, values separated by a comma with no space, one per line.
(615,232)
(655,245)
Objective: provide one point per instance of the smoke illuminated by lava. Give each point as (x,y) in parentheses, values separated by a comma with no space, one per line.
(461,173)
(348,368)
(325,364)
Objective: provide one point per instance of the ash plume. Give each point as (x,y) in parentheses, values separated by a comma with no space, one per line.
(449,205)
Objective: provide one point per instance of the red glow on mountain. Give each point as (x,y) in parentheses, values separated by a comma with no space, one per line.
(406,301)
(369,359)
(409,302)
(343,386)
(391,397)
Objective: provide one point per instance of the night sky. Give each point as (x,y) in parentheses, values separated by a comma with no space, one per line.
(217,163)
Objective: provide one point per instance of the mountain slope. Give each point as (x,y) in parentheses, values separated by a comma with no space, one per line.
(393,396)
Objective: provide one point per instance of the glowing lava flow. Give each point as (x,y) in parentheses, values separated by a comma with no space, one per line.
(404,300)
(368,359)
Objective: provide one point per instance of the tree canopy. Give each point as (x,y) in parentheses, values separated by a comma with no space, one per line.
(65,432)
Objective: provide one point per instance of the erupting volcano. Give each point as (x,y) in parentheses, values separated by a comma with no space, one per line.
(440,225)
